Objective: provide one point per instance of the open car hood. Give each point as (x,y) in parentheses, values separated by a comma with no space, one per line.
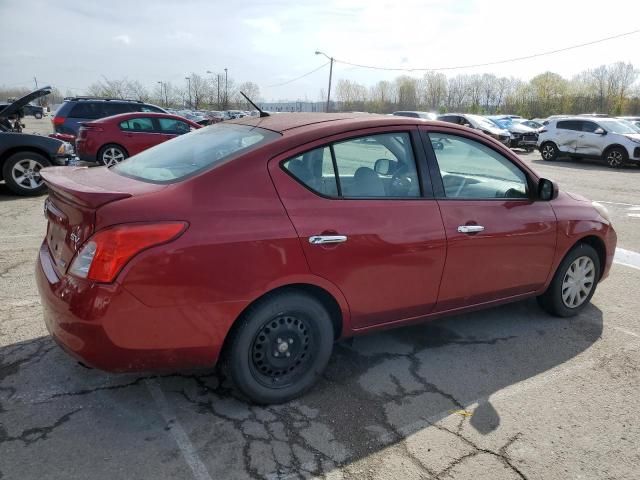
(12,108)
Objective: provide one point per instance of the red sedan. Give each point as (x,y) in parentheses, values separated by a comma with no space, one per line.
(112,139)
(261,241)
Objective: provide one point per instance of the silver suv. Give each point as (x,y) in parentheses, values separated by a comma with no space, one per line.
(608,139)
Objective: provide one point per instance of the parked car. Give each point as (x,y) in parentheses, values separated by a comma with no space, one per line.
(634,120)
(76,110)
(537,126)
(608,139)
(32,110)
(479,123)
(259,242)
(416,114)
(522,136)
(23,156)
(110,140)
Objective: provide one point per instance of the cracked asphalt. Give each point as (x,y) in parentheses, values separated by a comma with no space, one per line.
(507,393)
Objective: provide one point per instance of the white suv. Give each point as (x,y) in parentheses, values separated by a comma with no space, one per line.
(608,139)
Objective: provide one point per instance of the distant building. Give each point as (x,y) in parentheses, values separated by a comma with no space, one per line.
(295,106)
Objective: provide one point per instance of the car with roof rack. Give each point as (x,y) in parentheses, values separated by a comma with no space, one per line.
(75,110)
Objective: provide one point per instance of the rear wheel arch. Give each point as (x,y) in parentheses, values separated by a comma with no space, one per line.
(322,295)
(111,144)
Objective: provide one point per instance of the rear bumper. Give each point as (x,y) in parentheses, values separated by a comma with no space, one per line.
(106,327)
(85,154)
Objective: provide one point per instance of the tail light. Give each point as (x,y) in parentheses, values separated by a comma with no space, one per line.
(58,121)
(106,253)
(82,132)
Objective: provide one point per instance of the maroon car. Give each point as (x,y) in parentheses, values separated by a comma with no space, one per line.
(261,241)
(112,139)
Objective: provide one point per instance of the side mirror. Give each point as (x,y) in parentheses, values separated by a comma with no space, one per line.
(600,131)
(384,166)
(547,190)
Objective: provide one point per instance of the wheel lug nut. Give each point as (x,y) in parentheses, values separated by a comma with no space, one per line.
(276,354)
(288,354)
(279,340)
(291,340)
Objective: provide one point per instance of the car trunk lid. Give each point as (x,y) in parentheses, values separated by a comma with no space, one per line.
(75,195)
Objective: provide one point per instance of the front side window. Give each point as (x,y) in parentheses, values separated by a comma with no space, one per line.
(376,166)
(189,154)
(471,170)
(137,125)
(172,126)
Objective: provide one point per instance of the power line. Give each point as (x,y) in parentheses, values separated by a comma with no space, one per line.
(298,78)
(509,60)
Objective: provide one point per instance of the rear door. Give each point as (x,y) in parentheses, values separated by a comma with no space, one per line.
(366,220)
(140,133)
(567,132)
(500,243)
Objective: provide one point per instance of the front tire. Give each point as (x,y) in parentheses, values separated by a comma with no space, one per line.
(21,172)
(280,348)
(574,282)
(616,157)
(549,151)
(111,155)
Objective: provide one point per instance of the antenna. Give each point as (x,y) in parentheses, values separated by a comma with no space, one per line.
(262,113)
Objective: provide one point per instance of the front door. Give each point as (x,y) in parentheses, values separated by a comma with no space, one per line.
(589,143)
(500,243)
(365,221)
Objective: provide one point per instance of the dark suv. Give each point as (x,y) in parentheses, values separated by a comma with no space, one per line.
(81,109)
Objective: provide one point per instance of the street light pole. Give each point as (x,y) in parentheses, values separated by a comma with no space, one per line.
(188,79)
(162,96)
(226,88)
(318,52)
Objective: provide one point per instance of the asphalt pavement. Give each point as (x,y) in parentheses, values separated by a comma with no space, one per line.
(507,393)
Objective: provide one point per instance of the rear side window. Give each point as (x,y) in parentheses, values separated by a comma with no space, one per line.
(376,166)
(189,154)
(149,108)
(137,125)
(95,110)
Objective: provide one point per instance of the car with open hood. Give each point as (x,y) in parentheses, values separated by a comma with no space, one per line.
(258,242)
(22,155)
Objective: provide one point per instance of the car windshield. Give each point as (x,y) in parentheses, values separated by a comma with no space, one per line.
(481,121)
(190,153)
(502,122)
(615,126)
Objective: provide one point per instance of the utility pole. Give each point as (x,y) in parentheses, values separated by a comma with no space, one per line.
(226,89)
(188,79)
(218,82)
(161,94)
(318,52)
(35,80)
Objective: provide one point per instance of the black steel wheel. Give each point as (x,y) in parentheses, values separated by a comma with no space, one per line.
(280,347)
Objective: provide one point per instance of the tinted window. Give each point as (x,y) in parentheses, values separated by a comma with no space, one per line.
(148,108)
(589,127)
(472,170)
(137,125)
(194,152)
(170,125)
(315,170)
(94,110)
(377,166)
(570,125)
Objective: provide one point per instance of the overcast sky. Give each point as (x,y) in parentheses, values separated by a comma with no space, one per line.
(72,43)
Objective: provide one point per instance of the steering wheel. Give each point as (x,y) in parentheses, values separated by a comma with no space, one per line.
(402,181)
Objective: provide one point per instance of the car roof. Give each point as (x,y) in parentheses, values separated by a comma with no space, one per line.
(311,121)
(128,115)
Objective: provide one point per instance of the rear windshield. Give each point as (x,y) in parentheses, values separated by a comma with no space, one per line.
(190,153)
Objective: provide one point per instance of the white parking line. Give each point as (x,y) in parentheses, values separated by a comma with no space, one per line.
(627,258)
(635,215)
(618,203)
(189,452)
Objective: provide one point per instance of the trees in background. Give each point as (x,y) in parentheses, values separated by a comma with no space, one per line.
(608,89)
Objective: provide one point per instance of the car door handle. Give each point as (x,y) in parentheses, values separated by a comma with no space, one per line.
(325,239)
(470,228)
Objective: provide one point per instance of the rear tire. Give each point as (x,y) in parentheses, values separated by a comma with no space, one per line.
(280,348)
(574,282)
(549,151)
(112,154)
(38,116)
(21,173)
(616,157)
